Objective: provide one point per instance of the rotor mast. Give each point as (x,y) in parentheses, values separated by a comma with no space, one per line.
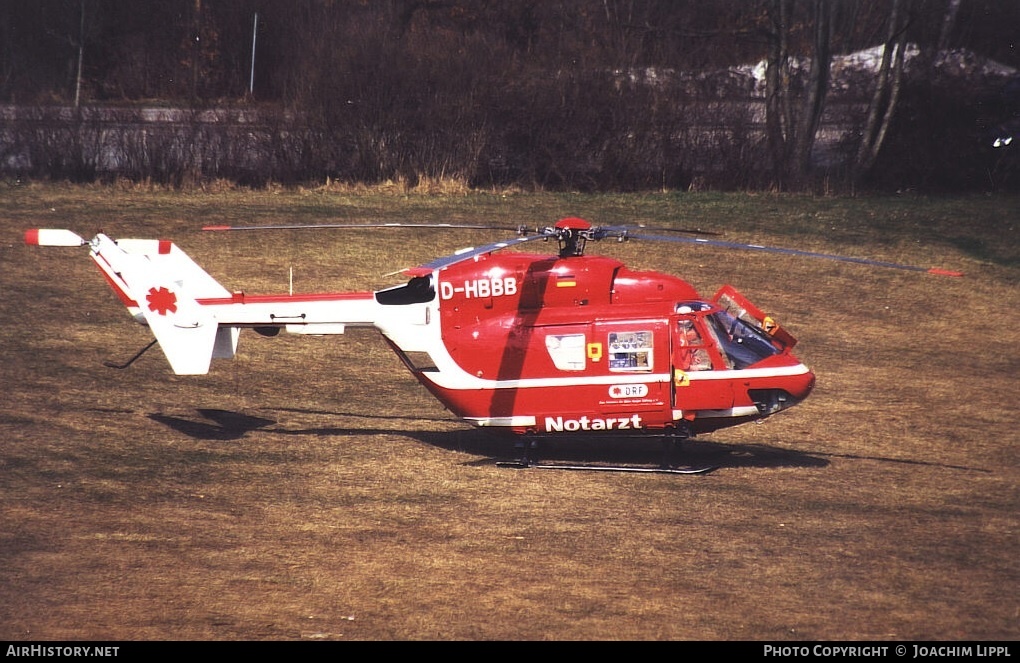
(572,233)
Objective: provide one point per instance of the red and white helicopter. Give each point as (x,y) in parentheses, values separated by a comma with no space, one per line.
(535,344)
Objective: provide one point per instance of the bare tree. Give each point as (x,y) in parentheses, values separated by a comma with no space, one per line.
(887,90)
(794,102)
(948,24)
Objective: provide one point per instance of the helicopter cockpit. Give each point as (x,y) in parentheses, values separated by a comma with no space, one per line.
(739,343)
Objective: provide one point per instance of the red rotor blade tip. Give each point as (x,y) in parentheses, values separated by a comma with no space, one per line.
(944,272)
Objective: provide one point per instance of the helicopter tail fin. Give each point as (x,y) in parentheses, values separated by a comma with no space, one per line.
(160,285)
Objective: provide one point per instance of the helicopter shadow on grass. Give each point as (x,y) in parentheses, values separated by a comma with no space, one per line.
(493,447)
(221,425)
(602,452)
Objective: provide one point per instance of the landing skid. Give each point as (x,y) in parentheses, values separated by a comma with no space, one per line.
(671,445)
(522,464)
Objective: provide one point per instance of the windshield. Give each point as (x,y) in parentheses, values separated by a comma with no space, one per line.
(740,343)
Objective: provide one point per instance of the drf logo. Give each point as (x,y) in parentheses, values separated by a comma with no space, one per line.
(497,287)
(628,391)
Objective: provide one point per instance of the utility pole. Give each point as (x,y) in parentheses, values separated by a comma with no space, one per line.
(196,46)
(81,55)
(254,36)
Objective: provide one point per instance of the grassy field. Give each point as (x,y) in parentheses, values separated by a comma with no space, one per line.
(312,490)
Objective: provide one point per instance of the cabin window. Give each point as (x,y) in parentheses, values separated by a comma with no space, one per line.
(690,353)
(567,351)
(630,351)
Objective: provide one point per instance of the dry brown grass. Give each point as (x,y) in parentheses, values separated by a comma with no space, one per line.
(311,489)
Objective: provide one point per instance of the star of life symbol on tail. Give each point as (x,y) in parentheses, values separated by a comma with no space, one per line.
(161,300)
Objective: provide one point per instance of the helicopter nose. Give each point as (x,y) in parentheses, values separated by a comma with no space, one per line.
(793,391)
(807,383)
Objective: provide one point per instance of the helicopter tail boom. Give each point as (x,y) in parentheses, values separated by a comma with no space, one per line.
(193,317)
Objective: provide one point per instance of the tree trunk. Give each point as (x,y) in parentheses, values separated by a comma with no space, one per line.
(777,91)
(887,91)
(816,90)
(791,125)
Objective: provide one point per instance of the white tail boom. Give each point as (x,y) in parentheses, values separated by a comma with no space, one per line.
(192,316)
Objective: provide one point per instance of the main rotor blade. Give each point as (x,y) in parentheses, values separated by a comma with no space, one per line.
(520,229)
(641,226)
(795,252)
(344,226)
(468,254)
